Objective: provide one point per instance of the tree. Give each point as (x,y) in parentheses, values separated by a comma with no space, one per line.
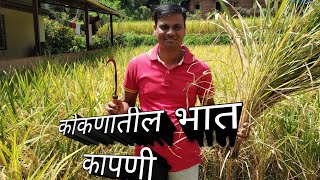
(170,1)
(142,13)
(136,9)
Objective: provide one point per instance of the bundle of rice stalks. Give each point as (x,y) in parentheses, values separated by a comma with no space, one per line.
(279,59)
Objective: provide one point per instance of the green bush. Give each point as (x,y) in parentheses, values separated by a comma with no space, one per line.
(58,37)
(206,39)
(100,42)
(133,39)
(79,43)
(61,39)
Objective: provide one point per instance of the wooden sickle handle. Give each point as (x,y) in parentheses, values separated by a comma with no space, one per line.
(114,99)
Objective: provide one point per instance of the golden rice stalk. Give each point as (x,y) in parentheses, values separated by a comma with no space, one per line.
(278,59)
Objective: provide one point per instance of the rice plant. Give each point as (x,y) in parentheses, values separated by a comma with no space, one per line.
(277,61)
(146,27)
(33,102)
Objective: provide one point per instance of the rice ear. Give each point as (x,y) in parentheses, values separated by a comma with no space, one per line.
(282,61)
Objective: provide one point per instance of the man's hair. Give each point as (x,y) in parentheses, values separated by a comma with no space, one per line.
(167,10)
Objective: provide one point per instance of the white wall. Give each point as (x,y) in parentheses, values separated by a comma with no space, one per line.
(19,33)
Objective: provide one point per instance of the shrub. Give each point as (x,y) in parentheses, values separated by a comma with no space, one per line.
(100,42)
(61,39)
(132,39)
(58,37)
(206,39)
(79,43)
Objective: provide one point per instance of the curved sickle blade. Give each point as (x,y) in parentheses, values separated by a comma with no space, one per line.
(115,78)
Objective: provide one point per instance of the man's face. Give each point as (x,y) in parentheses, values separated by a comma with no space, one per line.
(170,31)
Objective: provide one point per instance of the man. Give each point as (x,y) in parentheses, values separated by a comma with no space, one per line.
(169,77)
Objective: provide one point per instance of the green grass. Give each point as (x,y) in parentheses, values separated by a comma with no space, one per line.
(285,141)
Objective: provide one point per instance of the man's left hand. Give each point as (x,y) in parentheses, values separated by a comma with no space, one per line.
(243,131)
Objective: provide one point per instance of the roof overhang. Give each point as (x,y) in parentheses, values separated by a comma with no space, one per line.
(24,7)
(92,5)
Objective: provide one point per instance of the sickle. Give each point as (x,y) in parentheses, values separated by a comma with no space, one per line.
(114,96)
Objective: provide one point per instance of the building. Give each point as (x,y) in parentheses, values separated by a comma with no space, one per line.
(17,30)
(245,7)
(22,25)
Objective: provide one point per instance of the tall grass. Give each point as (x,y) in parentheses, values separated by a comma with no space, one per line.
(33,102)
(282,61)
(266,67)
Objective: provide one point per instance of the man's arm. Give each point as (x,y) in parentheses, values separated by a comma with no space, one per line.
(130,98)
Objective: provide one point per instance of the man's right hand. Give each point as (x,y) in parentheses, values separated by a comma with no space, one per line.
(121,107)
(116,108)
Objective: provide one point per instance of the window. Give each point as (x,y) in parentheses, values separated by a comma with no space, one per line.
(3,44)
(197,6)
